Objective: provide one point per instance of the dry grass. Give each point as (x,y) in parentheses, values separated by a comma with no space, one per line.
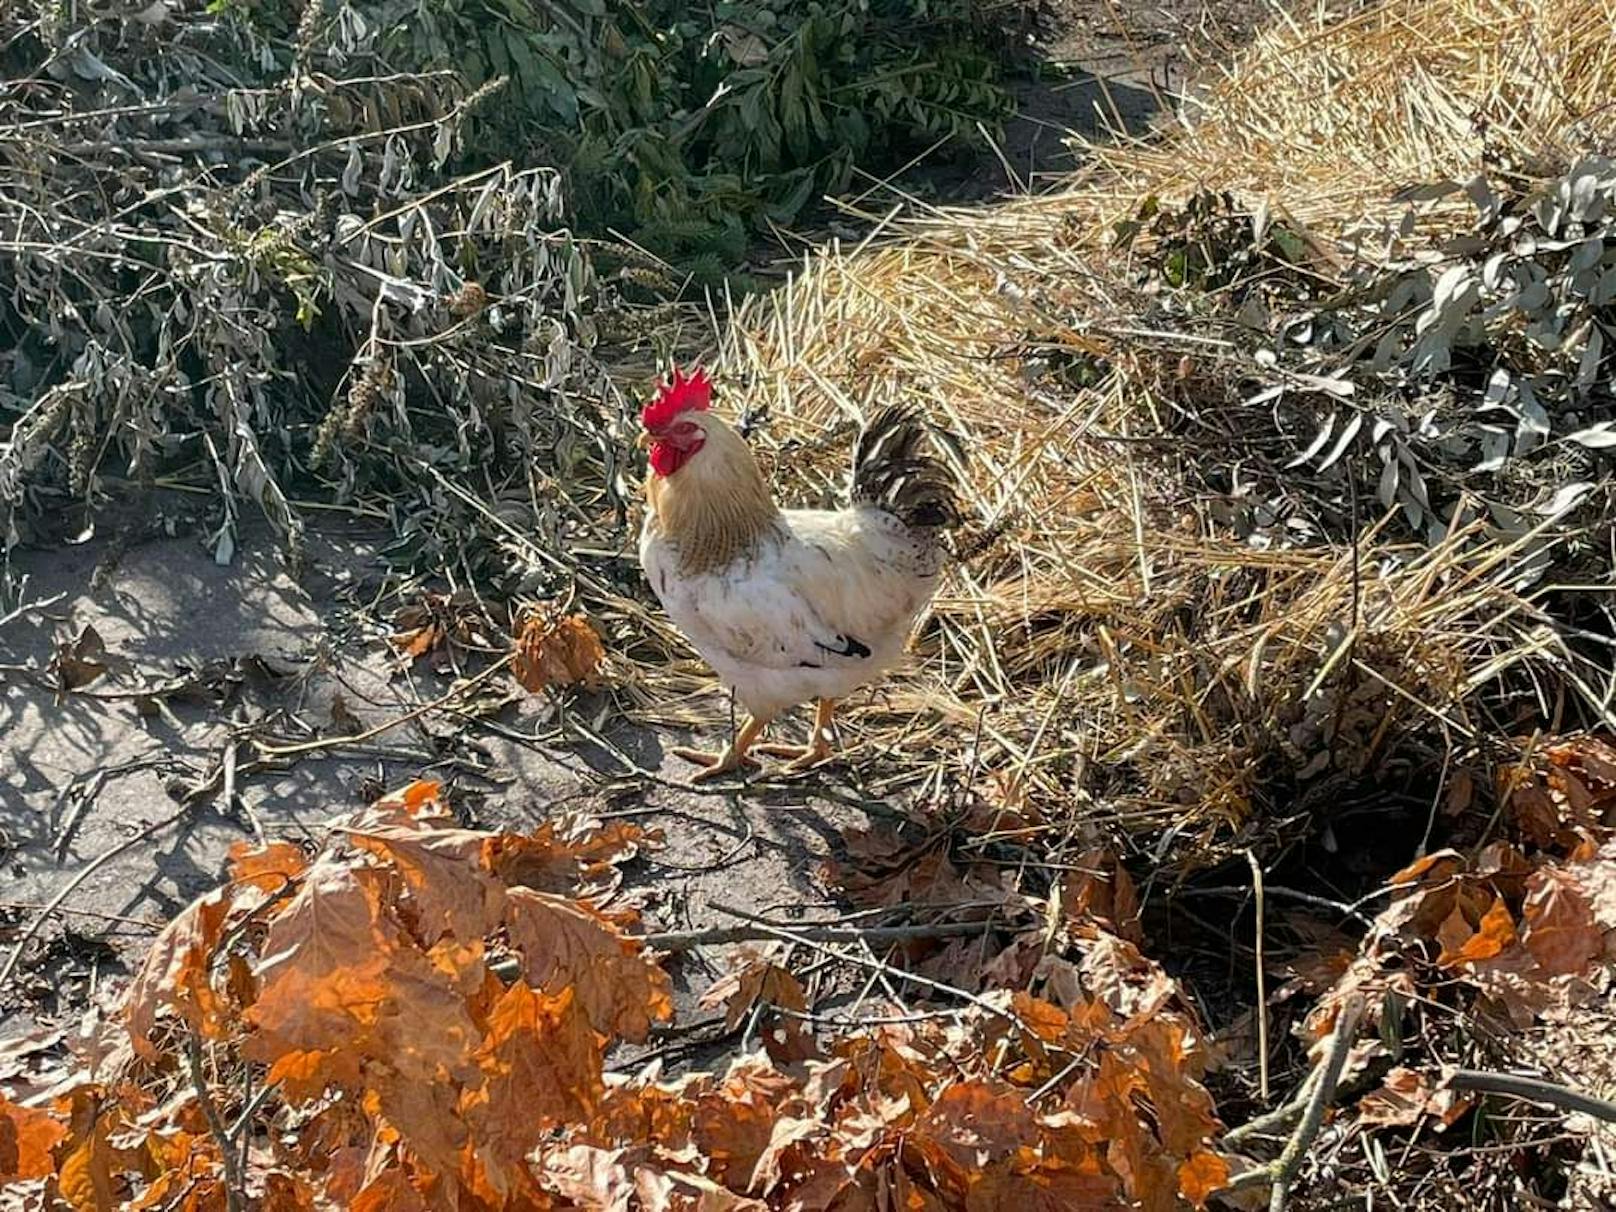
(1121,648)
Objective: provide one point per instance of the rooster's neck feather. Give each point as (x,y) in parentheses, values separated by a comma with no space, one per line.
(717,507)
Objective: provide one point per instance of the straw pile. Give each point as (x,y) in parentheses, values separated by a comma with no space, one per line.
(1124,647)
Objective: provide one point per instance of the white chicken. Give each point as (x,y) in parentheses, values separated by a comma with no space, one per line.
(788,605)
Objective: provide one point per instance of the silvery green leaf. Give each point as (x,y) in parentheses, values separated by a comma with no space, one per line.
(1604,291)
(1412,511)
(1494,448)
(1532,298)
(1566,499)
(1596,437)
(1588,366)
(1583,202)
(1548,214)
(1587,254)
(1485,200)
(1265,395)
(1348,432)
(1259,223)
(1498,389)
(351,171)
(1317,444)
(1379,430)
(1386,351)
(1413,481)
(1390,474)
(1492,272)
(1455,290)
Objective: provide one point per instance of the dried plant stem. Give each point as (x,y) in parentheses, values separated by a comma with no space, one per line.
(1262,979)
(234,1190)
(1533,1089)
(54,905)
(685,940)
(437,704)
(1312,1102)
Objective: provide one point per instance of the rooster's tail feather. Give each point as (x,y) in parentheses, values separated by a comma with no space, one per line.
(894,470)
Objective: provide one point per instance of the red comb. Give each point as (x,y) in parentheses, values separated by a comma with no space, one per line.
(694,391)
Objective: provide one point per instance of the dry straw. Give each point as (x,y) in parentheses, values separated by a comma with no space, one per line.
(1121,654)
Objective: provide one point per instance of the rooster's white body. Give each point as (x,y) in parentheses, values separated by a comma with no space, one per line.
(814,609)
(789,605)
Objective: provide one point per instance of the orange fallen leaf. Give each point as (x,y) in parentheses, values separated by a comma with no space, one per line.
(566,946)
(556,650)
(27,1137)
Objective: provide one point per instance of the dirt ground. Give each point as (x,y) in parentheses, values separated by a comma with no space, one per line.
(93,788)
(117,806)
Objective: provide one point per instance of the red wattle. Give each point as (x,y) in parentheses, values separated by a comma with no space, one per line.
(666,458)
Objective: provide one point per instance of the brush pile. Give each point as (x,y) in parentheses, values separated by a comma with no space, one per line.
(241,264)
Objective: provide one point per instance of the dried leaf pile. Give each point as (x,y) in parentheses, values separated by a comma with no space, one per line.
(329,1031)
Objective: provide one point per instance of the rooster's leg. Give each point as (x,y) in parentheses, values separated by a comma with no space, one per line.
(805,756)
(733,757)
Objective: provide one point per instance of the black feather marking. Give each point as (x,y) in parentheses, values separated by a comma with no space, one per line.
(850,647)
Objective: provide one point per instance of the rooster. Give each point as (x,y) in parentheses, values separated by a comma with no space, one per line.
(788,605)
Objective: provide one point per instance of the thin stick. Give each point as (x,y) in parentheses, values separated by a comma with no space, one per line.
(1262,981)
(233,1188)
(1533,1089)
(1281,1172)
(686,940)
(54,905)
(337,742)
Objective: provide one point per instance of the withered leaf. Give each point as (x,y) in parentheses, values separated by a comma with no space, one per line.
(269,868)
(1558,925)
(446,871)
(81,660)
(566,945)
(554,650)
(27,1137)
(542,1067)
(323,976)
(1201,1174)
(175,973)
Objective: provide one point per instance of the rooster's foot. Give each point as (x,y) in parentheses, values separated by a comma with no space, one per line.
(803,757)
(716,764)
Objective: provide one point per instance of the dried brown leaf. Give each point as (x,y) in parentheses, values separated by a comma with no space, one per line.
(566,945)
(27,1137)
(553,650)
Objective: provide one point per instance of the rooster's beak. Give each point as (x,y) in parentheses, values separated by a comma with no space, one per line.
(643,442)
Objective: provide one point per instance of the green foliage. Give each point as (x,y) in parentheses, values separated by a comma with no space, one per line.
(691,128)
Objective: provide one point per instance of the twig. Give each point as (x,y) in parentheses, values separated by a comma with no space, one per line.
(1533,1089)
(335,742)
(926,982)
(30,607)
(1280,1173)
(1262,980)
(233,1188)
(688,940)
(1279,1117)
(54,905)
